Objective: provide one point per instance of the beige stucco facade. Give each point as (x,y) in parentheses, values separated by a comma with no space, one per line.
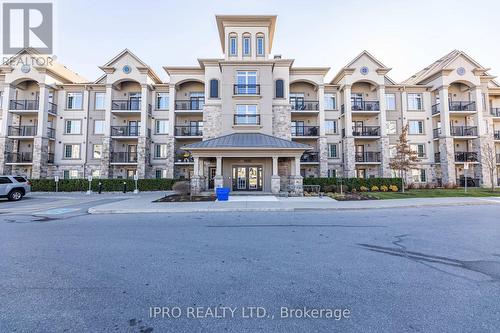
(129,121)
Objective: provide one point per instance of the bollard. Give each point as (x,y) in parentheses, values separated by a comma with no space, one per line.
(124,187)
(99,188)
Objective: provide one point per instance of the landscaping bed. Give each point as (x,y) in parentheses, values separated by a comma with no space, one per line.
(186,198)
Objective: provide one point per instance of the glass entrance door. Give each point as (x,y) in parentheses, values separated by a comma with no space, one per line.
(247,178)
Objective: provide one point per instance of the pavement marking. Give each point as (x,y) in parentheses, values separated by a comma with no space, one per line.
(57,211)
(239,198)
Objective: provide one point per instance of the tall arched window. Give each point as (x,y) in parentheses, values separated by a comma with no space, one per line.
(233,44)
(280,88)
(260,47)
(247,42)
(214,88)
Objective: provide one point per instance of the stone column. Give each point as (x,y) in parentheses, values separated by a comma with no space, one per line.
(275,178)
(218,179)
(41,141)
(385,169)
(144,141)
(446,142)
(196,180)
(348,140)
(107,143)
(282,120)
(296,180)
(6,144)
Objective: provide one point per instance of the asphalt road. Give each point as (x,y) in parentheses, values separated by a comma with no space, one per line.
(402,270)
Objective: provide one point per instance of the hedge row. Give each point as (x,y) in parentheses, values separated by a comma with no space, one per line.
(352,183)
(108,185)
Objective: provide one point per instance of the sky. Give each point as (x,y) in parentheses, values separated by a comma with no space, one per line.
(404,35)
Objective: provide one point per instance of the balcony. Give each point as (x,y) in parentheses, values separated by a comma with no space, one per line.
(247,119)
(305,131)
(496,135)
(51,133)
(367,157)
(125,130)
(365,106)
(366,131)
(126,104)
(462,106)
(183,157)
(465,157)
(52,109)
(188,131)
(310,157)
(50,158)
(22,130)
(301,105)
(246,89)
(24,104)
(193,104)
(437,157)
(498,158)
(463,130)
(123,157)
(495,112)
(26,157)
(436,133)
(435,109)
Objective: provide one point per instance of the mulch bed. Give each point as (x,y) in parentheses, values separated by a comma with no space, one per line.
(185,198)
(354,197)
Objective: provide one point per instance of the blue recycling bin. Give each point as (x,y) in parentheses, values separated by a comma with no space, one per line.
(222,193)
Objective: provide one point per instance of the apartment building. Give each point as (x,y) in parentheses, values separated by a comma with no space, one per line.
(250,121)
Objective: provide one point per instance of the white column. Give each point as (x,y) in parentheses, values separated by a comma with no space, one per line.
(275,165)
(107,113)
(347,111)
(481,127)
(143,131)
(321,103)
(196,167)
(5,110)
(42,113)
(297,166)
(171,111)
(383,110)
(218,171)
(445,113)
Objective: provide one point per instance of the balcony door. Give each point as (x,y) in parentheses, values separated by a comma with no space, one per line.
(132,153)
(360,153)
(133,127)
(134,100)
(195,127)
(357,101)
(358,127)
(298,128)
(297,100)
(196,100)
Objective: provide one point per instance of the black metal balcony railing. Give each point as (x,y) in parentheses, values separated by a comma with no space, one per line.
(370,156)
(435,109)
(125,130)
(50,158)
(26,157)
(183,157)
(194,103)
(246,89)
(188,130)
(463,130)
(498,158)
(310,156)
(126,104)
(437,157)
(471,182)
(495,112)
(496,135)
(51,133)
(365,106)
(52,108)
(465,156)
(301,105)
(366,131)
(23,104)
(305,130)
(22,130)
(436,133)
(462,106)
(247,119)
(342,109)
(124,157)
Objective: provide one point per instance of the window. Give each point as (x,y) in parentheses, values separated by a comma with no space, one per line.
(246,45)
(70,174)
(162,101)
(233,46)
(97,151)
(98,126)
(419,149)
(75,101)
(415,102)
(330,126)
(390,101)
(246,114)
(160,151)
(332,150)
(332,173)
(418,175)
(392,151)
(260,45)
(73,127)
(100,98)
(96,174)
(279,89)
(330,102)
(214,88)
(391,126)
(5,180)
(72,151)
(161,127)
(246,82)
(160,173)
(1,98)
(416,127)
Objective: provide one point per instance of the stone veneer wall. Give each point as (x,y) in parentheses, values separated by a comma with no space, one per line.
(212,121)
(6,146)
(143,157)
(323,157)
(482,170)
(107,150)
(282,120)
(40,158)
(447,155)
(385,169)
(349,157)
(284,172)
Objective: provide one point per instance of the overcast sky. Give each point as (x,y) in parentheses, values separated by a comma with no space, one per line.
(404,35)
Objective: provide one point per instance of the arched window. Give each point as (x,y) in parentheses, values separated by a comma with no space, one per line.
(280,88)
(260,47)
(233,44)
(246,44)
(214,88)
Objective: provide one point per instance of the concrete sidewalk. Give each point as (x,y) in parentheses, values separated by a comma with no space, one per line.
(142,203)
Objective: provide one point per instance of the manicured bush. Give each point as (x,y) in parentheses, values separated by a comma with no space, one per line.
(383,188)
(374,188)
(393,188)
(108,185)
(363,189)
(352,183)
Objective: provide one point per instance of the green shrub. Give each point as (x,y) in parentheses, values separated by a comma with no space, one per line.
(108,185)
(352,183)
(374,188)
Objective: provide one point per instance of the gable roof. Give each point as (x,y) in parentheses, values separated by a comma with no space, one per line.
(143,65)
(247,140)
(339,75)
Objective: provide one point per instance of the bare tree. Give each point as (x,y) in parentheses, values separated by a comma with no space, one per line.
(406,159)
(489,159)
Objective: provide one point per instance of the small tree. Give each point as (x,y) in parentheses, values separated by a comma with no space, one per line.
(489,159)
(405,158)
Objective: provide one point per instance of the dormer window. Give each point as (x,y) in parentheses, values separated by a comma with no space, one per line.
(260,45)
(233,45)
(246,45)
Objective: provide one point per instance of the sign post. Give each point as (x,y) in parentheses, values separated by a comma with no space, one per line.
(56,179)
(136,178)
(466,167)
(89,178)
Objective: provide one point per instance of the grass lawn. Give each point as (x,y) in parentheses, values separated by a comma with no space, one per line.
(437,193)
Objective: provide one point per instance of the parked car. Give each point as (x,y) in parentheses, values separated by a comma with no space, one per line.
(14,188)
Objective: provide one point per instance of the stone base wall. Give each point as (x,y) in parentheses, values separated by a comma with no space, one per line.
(212,121)
(282,120)
(284,167)
(107,150)
(296,186)
(323,157)
(348,150)
(6,146)
(143,157)
(447,153)
(385,169)
(40,158)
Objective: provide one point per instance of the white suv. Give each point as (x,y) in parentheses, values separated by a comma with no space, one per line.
(14,188)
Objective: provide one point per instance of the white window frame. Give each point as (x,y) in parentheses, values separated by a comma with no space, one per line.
(247,110)
(388,97)
(75,150)
(71,122)
(102,98)
(71,174)
(330,99)
(329,147)
(162,95)
(158,128)
(335,129)
(415,147)
(233,45)
(96,173)
(412,101)
(96,128)
(71,96)
(161,151)
(416,121)
(260,46)
(162,172)
(247,46)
